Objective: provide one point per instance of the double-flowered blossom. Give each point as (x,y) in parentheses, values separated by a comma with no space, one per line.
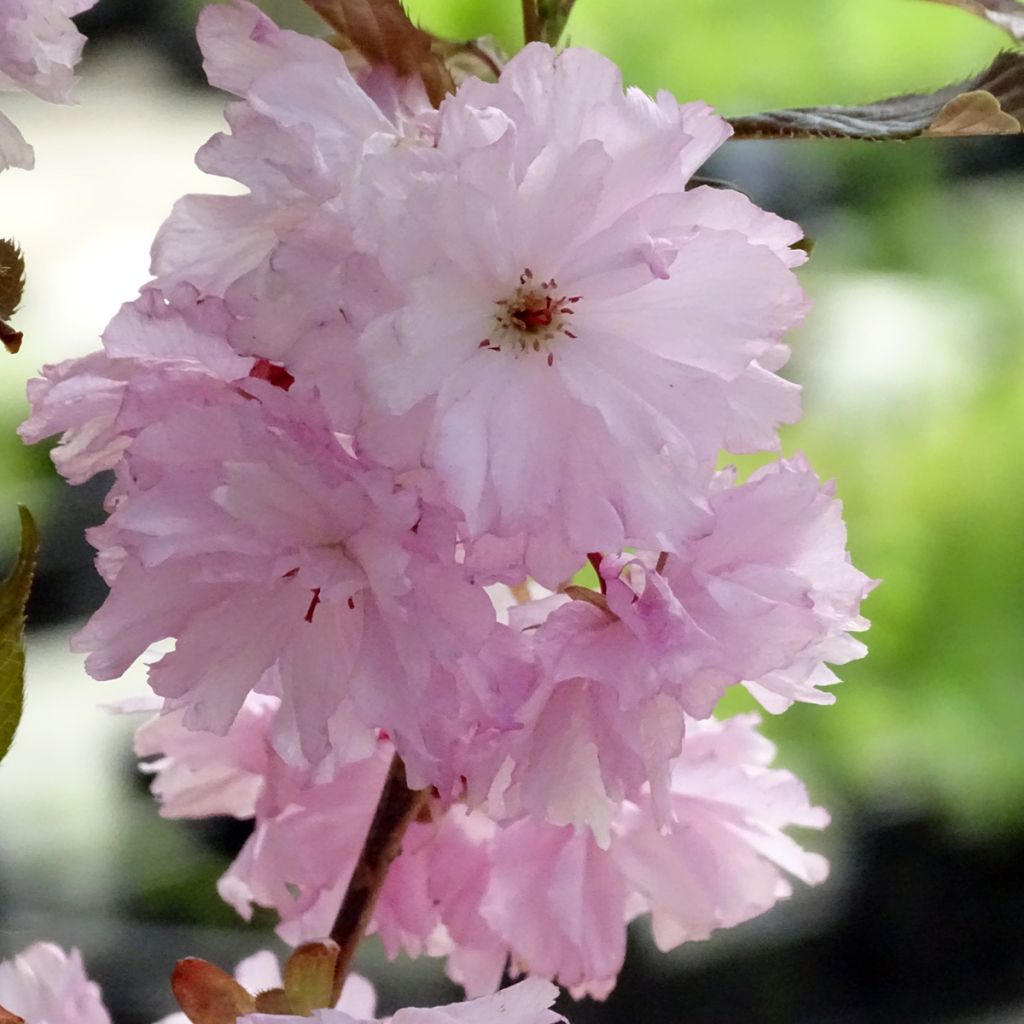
(486,891)
(518,219)
(39,48)
(45,985)
(241,526)
(297,142)
(585,333)
(432,357)
(764,597)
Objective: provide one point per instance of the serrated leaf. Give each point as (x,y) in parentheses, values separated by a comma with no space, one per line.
(381,32)
(991,103)
(1005,14)
(14,593)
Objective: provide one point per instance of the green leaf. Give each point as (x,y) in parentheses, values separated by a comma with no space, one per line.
(14,593)
(1005,14)
(991,103)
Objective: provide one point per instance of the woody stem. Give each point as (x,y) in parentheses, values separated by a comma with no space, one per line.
(397,807)
(531,21)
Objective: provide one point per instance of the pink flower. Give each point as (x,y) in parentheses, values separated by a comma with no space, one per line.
(39,47)
(243,527)
(199,774)
(764,597)
(261,972)
(482,889)
(773,584)
(45,985)
(719,863)
(304,848)
(157,351)
(296,143)
(726,859)
(585,333)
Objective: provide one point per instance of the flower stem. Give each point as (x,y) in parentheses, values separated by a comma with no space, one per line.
(531,21)
(397,807)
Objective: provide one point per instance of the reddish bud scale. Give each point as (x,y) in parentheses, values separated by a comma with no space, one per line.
(208,995)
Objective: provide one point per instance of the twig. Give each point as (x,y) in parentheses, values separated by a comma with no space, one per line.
(531,21)
(397,807)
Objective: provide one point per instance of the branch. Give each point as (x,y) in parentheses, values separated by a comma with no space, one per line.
(531,21)
(397,808)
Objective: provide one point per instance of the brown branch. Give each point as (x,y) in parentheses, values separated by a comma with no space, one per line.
(531,21)
(397,807)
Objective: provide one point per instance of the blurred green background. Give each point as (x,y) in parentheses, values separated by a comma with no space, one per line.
(912,361)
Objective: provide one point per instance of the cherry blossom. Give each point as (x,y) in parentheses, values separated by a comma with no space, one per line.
(45,985)
(482,889)
(296,142)
(39,48)
(764,596)
(585,333)
(426,353)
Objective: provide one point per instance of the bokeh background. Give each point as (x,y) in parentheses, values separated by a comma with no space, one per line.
(913,364)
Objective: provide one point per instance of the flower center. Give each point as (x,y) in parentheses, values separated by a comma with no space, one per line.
(531,317)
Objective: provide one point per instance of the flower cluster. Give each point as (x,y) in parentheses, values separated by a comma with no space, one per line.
(485,889)
(39,47)
(367,424)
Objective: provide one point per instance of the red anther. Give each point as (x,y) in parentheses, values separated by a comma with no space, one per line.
(312,605)
(264,369)
(551,359)
(485,343)
(352,604)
